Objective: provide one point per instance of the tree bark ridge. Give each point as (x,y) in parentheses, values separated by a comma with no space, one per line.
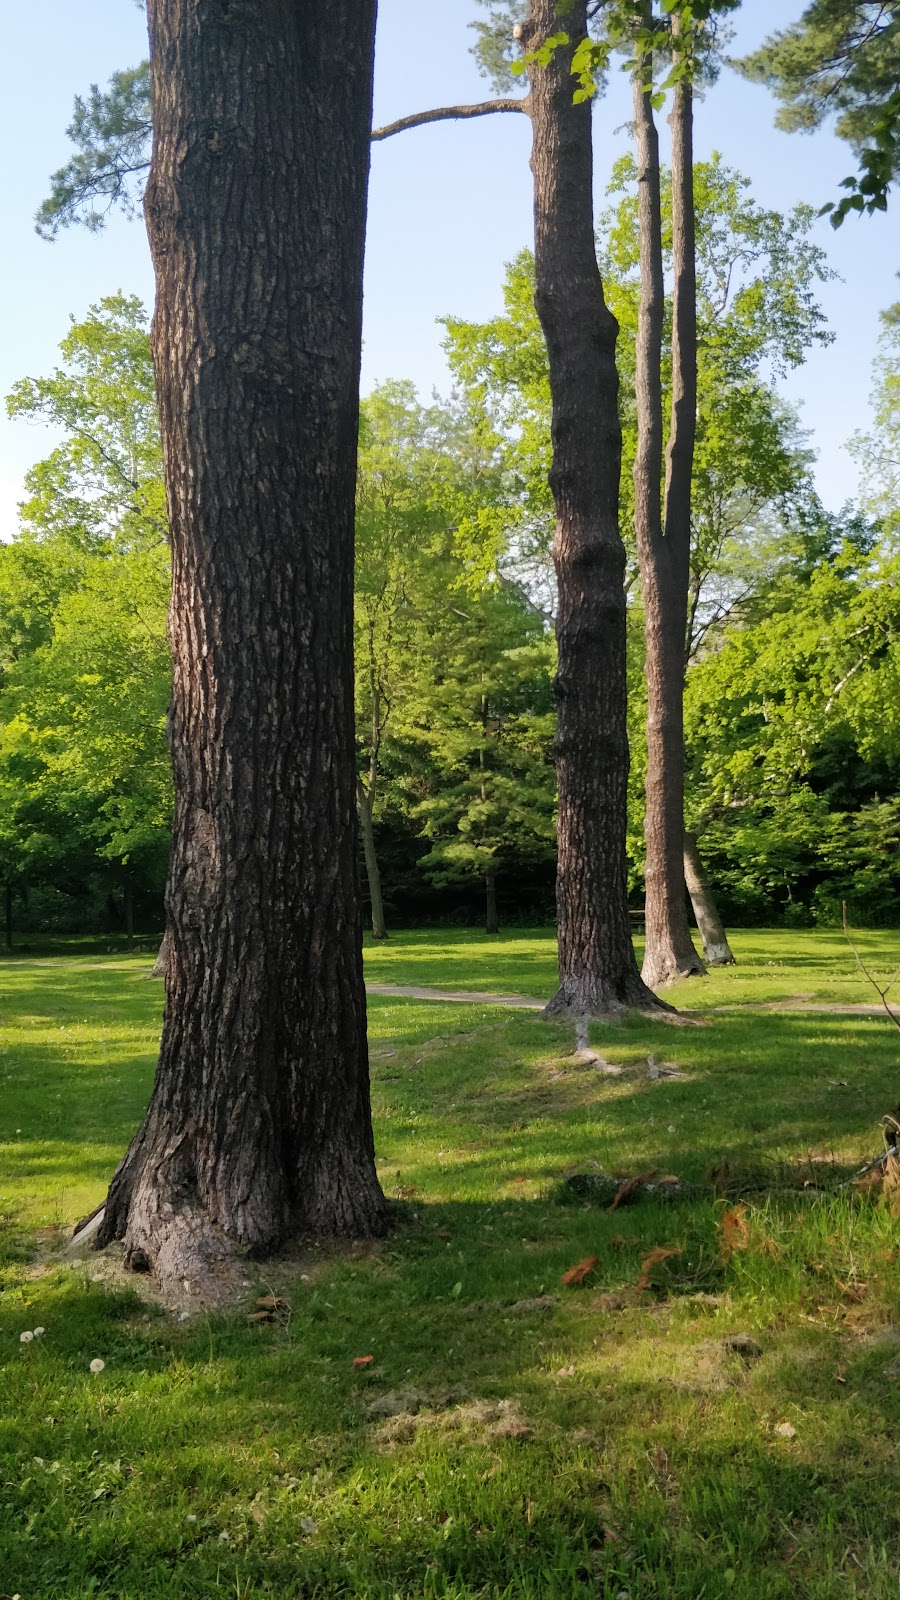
(716,948)
(664,536)
(598,972)
(259,1121)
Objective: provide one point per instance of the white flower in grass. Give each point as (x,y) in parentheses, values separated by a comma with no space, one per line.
(39,1333)
(97,1365)
(25,1338)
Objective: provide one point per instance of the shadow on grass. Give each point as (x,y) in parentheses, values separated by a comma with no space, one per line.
(581,1448)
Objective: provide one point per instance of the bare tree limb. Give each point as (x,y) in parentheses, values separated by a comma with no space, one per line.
(882,993)
(448,114)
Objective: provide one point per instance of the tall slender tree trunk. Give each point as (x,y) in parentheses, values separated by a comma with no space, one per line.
(598,972)
(663,543)
(716,948)
(491,918)
(373,871)
(9,915)
(129,913)
(259,1122)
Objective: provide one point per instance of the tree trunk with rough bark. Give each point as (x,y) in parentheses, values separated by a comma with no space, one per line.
(160,966)
(491,919)
(373,871)
(716,948)
(598,972)
(664,539)
(259,1122)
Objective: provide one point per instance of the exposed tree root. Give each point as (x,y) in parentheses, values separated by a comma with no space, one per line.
(599,1000)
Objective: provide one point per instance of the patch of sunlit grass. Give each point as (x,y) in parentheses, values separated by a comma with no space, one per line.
(729,1429)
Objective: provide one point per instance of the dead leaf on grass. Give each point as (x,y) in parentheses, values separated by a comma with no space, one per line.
(271,1302)
(576,1275)
(261,1316)
(363,1361)
(734,1231)
(623,1191)
(654,1258)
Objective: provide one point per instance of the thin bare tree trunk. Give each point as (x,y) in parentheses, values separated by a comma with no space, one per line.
(663,541)
(491,918)
(9,916)
(716,948)
(373,872)
(597,968)
(259,1122)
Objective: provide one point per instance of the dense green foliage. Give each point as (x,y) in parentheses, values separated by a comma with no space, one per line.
(794,748)
(85,795)
(453,667)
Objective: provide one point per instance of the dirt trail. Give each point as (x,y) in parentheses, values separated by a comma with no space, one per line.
(523,1002)
(529,1003)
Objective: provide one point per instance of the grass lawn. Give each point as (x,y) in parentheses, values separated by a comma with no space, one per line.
(510,1437)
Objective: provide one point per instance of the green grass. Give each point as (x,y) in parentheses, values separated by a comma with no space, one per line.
(773,965)
(652,1468)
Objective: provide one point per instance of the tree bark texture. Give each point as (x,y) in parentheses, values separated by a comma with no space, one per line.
(373,871)
(664,539)
(161,964)
(259,1122)
(716,948)
(598,972)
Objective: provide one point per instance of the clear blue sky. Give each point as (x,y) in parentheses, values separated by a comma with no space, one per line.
(449,205)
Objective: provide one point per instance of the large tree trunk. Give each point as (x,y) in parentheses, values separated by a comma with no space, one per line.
(259,1122)
(664,547)
(598,972)
(373,872)
(716,948)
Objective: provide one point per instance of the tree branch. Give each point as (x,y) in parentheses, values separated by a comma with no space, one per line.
(447,114)
(882,993)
